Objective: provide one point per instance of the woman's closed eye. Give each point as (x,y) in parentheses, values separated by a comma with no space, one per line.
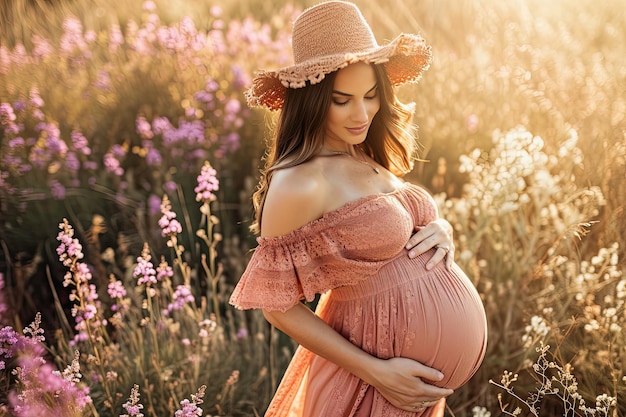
(343,101)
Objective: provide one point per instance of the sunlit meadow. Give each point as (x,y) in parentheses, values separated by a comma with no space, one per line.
(128,158)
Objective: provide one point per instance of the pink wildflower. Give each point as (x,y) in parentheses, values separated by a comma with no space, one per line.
(41,47)
(133,406)
(116,289)
(115,38)
(34,331)
(8,339)
(190,408)
(164,270)
(84,295)
(70,248)
(35,98)
(143,128)
(80,143)
(44,390)
(149,6)
(181,296)
(57,190)
(168,223)
(4,306)
(207,183)
(72,39)
(144,270)
(112,164)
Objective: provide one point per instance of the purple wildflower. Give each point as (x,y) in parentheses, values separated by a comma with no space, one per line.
(6,113)
(164,270)
(149,6)
(4,306)
(41,47)
(8,339)
(34,331)
(143,128)
(116,289)
(57,190)
(35,98)
(242,79)
(153,156)
(112,164)
(90,36)
(190,111)
(71,162)
(38,114)
(70,249)
(168,223)
(207,183)
(242,333)
(154,204)
(215,11)
(133,407)
(170,187)
(84,295)
(115,38)
(161,125)
(72,40)
(92,165)
(144,270)
(181,296)
(79,142)
(190,408)
(191,131)
(119,151)
(7,119)
(117,292)
(44,390)
(103,81)
(19,105)
(204,96)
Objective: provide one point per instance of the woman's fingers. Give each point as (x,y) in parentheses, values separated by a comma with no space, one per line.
(433,235)
(403,382)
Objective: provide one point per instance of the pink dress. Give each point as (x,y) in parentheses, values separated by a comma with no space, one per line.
(374,295)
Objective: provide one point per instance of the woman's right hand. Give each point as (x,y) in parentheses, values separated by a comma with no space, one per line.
(404,383)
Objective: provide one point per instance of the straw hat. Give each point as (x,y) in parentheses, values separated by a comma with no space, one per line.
(331,36)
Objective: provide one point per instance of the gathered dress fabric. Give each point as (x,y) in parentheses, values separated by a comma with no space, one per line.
(374,295)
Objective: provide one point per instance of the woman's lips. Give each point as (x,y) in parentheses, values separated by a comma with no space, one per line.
(357,130)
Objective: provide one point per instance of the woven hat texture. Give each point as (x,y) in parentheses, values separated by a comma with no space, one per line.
(330,36)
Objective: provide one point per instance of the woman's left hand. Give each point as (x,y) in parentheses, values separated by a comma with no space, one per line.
(436,234)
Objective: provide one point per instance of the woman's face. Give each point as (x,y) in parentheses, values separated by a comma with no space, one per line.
(355,102)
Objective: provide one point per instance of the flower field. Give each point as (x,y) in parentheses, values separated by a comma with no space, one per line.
(128,158)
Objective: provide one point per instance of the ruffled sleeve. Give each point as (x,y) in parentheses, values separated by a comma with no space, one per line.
(284,271)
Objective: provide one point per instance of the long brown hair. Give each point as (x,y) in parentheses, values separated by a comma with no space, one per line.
(301,128)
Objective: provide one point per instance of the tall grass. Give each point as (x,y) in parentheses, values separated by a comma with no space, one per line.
(115,104)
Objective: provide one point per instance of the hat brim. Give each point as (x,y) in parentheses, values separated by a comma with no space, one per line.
(405,59)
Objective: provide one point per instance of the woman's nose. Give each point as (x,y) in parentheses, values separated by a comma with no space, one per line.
(360,112)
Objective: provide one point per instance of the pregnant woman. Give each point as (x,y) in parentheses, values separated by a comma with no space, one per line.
(399,326)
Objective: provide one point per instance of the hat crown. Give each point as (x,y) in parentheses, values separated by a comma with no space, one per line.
(331,28)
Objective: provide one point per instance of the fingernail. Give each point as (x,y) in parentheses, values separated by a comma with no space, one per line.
(412,254)
(439,376)
(429,266)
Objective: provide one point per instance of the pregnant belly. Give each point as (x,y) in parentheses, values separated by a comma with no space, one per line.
(435,317)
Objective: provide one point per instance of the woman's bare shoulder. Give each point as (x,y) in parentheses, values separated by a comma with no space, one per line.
(296,196)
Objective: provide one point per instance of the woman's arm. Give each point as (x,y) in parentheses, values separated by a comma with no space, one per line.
(399,380)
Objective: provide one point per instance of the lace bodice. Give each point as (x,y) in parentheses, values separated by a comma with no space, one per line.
(343,247)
